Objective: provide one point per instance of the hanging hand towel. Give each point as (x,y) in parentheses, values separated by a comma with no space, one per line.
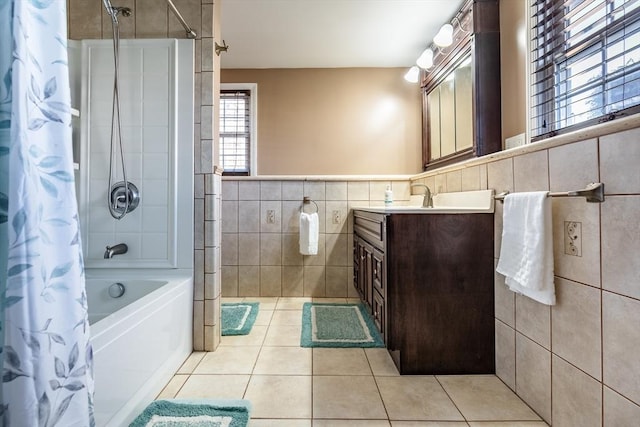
(526,254)
(308,233)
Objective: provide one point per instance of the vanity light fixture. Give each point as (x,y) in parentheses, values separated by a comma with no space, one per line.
(413,75)
(425,61)
(444,37)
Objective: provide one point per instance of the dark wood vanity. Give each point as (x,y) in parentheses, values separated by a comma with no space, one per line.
(427,280)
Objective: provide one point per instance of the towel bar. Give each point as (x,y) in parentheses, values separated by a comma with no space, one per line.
(305,201)
(594,193)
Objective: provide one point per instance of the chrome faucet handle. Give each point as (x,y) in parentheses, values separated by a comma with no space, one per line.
(121,198)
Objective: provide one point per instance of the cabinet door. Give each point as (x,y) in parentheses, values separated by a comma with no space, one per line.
(378,313)
(368,276)
(378,273)
(362,270)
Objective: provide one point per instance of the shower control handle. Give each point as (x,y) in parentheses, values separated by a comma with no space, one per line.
(120,199)
(119,196)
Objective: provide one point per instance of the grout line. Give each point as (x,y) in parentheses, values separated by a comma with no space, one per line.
(602,290)
(451,398)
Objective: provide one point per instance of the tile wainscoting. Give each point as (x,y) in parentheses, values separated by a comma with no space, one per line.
(574,363)
(260,256)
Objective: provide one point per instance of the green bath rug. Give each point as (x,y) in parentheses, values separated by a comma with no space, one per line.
(238,318)
(194,413)
(338,325)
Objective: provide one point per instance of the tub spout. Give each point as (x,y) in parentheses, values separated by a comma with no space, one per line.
(119,249)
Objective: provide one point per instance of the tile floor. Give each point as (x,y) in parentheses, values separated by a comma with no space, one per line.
(290,386)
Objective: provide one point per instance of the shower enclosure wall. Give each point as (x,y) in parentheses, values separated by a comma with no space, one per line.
(156,91)
(138,347)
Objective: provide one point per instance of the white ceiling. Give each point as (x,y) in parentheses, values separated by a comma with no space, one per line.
(330,33)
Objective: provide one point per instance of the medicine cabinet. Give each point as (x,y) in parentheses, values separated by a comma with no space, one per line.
(461,92)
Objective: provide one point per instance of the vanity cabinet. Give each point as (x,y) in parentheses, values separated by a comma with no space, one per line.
(427,280)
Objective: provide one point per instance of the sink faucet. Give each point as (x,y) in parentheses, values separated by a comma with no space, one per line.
(119,249)
(427,201)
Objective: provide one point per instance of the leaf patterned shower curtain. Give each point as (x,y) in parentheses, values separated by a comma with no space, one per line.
(47,375)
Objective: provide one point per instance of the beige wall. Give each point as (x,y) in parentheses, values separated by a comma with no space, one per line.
(335,121)
(513,56)
(152,19)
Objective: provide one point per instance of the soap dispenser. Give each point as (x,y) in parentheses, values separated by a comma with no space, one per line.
(388,196)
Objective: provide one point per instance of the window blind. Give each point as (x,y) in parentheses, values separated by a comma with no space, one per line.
(235,131)
(585,63)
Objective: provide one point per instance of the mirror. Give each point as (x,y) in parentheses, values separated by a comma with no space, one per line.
(449,113)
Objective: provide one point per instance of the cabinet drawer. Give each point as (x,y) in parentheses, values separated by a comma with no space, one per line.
(379,277)
(378,313)
(370,226)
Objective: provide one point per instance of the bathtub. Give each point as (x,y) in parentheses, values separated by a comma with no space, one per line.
(139,339)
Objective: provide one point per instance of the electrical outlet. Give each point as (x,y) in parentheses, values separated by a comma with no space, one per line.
(271,216)
(514,141)
(335,215)
(573,238)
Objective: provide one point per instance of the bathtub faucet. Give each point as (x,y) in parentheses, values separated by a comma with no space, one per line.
(119,249)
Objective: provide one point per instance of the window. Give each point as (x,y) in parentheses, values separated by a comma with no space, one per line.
(585,63)
(237,129)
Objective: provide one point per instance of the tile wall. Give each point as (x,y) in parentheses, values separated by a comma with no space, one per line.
(575,363)
(153,19)
(146,133)
(262,258)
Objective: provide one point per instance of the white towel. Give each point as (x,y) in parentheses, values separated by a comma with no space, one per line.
(308,233)
(526,255)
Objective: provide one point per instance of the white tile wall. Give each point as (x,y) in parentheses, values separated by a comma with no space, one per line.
(147,101)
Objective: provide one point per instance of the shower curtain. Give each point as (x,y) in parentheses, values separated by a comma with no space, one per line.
(47,375)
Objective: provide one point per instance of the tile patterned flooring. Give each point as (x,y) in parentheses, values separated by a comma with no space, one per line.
(290,386)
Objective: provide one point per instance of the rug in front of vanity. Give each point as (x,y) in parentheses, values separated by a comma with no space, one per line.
(338,325)
(238,318)
(194,413)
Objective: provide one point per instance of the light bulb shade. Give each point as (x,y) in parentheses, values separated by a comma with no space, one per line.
(444,37)
(413,75)
(425,60)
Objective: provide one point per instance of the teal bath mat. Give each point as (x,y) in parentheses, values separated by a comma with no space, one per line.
(238,318)
(338,325)
(194,413)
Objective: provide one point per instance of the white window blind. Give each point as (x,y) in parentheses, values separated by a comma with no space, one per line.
(585,63)
(235,131)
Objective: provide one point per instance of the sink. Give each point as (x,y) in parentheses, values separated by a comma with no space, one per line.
(480,201)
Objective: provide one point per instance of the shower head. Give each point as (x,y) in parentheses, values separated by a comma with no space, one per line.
(114,11)
(126,11)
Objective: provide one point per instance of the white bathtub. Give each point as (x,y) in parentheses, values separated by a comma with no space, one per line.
(139,340)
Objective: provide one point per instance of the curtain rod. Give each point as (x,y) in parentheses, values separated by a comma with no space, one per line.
(190,33)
